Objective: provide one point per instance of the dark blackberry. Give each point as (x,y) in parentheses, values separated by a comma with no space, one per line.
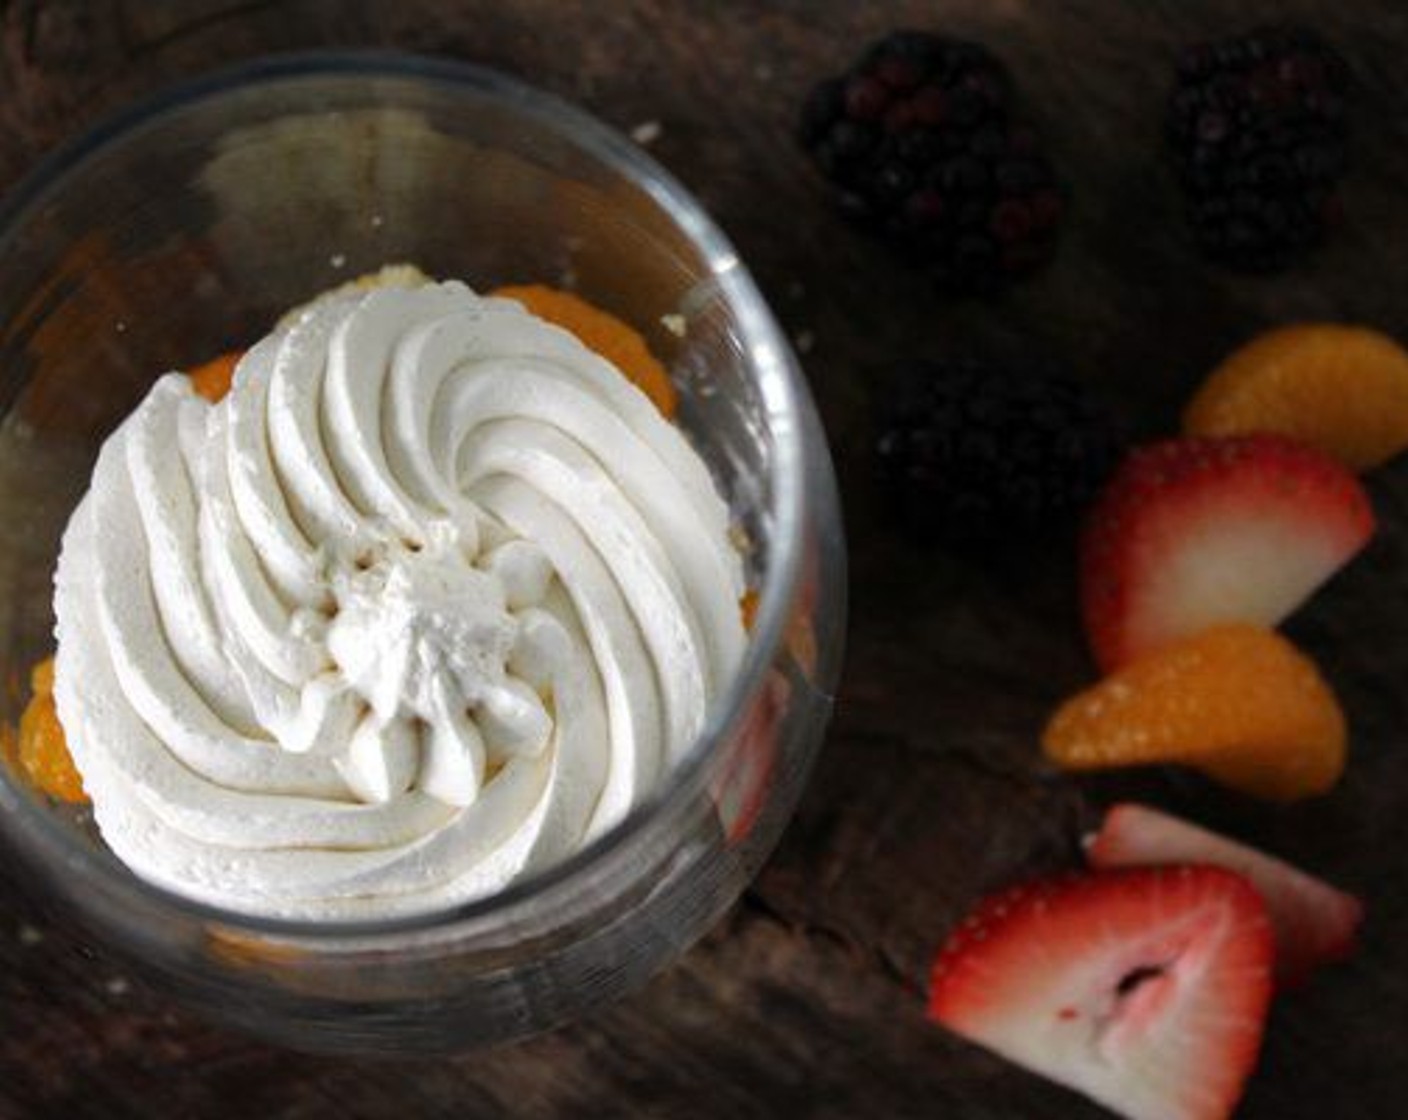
(1257,128)
(974,453)
(919,143)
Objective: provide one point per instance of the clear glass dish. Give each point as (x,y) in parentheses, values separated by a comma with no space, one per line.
(184,228)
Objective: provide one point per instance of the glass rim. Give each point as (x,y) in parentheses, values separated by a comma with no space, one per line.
(777,376)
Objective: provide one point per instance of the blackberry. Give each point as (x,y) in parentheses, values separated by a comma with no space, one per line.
(1257,128)
(919,143)
(973,453)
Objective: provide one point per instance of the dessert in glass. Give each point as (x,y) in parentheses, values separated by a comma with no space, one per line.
(454,666)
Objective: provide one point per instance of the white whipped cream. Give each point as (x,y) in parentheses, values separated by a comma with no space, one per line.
(430,599)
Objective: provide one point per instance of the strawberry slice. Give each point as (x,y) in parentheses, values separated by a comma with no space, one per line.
(1194,532)
(1314,922)
(1145,989)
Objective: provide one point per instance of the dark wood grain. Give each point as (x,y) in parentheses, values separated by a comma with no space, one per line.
(930,789)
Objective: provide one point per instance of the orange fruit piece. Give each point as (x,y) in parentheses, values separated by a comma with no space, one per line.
(248,951)
(748,608)
(212,380)
(619,343)
(9,747)
(1239,703)
(42,749)
(1343,389)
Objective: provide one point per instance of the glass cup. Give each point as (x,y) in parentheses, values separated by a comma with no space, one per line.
(183,228)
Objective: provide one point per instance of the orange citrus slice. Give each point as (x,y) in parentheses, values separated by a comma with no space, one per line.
(1239,703)
(1343,389)
(42,749)
(619,343)
(212,380)
(748,608)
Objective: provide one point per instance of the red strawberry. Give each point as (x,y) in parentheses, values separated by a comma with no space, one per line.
(1190,533)
(740,789)
(1314,922)
(1144,989)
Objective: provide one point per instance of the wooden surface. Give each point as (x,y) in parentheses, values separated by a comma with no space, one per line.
(930,789)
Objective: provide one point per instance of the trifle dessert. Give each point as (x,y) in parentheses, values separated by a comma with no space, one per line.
(427,600)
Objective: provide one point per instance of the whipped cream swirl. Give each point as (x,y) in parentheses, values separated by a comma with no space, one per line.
(429,600)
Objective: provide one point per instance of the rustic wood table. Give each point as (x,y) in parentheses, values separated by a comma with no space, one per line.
(930,789)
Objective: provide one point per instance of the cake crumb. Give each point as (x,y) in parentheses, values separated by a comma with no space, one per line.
(117,986)
(646,133)
(675,324)
(338,260)
(804,341)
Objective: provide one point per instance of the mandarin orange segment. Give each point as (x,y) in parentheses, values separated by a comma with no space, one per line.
(617,342)
(1239,703)
(212,380)
(41,677)
(9,747)
(41,749)
(246,951)
(1341,388)
(748,608)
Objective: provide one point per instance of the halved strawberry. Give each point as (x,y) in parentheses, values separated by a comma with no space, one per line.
(1144,989)
(1194,532)
(741,787)
(1314,922)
